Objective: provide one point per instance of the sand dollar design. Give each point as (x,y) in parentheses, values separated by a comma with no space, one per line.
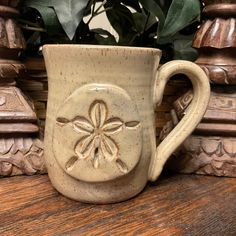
(98,134)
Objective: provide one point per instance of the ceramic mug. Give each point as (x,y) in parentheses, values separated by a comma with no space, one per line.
(100,139)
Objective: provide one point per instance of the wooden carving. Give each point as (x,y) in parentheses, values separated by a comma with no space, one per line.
(15,106)
(34,83)
(10,3)
(209,2)
(223,74)
(20,151)
(216,41)
(21,156)
(210,155)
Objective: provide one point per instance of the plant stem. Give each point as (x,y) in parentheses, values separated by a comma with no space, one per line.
(107,9)
(26,22)
(93,9)
(102,11)
(102,4)
(33,28)
(96,13)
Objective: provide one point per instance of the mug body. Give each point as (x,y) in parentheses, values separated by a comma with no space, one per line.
(100,126)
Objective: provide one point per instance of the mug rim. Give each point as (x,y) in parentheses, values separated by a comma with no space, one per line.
(110,47)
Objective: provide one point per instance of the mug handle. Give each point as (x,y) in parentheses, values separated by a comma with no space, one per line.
(197,109)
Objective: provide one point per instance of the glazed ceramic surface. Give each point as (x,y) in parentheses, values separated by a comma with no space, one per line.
(100,141)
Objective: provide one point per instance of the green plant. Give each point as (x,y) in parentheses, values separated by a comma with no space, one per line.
(168,24)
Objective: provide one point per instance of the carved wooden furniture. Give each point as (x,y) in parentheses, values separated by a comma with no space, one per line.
(212,147)
(20,151)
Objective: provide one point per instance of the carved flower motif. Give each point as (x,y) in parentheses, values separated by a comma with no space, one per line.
(97,144)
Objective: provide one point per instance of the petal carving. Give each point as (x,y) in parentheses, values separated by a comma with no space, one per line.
(96,160)
(122,166)
(17,146)
(70,164)
(6,145)
(230,147)
(98,113)
(62,121)
(211,146)
(113,126)
(84,147)
(27,144)
(82,125)
(109,149)
(132,124)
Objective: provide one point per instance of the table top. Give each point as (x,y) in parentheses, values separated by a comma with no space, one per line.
(174,205)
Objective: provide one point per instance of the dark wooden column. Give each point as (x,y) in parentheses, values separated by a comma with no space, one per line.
(20,151)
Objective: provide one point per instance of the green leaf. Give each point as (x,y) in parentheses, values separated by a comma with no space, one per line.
(88,11)
(132,3)
(181,14)
(164,5)
(69,12)
(121,19)
(49,17)
(104,37)
(84,35)
(101,40)
(101,31)
(183,50)
(152,7)
(143,22)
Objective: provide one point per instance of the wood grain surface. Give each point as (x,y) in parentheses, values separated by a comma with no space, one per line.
(174,205)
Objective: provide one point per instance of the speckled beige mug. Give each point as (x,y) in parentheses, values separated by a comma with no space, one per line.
(100,142)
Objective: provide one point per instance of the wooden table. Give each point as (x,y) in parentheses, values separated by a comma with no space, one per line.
(174,205)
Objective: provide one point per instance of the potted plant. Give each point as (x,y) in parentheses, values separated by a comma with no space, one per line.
(168,25)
